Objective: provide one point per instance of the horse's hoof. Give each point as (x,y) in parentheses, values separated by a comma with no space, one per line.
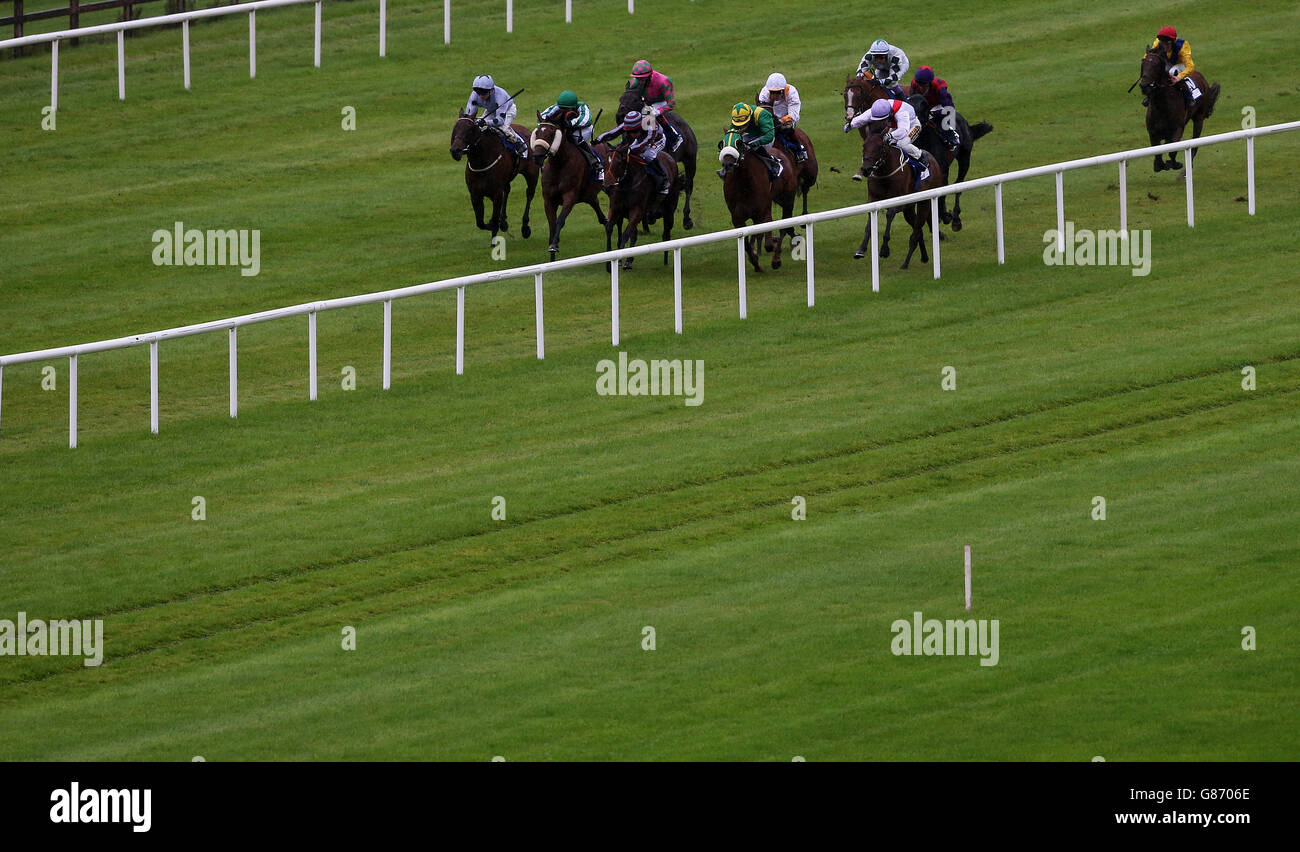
(859,254)
(946,218)
(526,231)
(942,236)
(857,177)
(627,263)
(1159,166)
(1174,166)
(956,223)
(884,251)
(776,263)
(688,224)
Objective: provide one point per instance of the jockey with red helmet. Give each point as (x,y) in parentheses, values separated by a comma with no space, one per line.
(657,91)
(1177,54)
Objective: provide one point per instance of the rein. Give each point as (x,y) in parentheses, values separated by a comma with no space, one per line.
(469,164)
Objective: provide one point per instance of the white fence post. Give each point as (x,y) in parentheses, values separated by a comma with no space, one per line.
(934,232)
(388,343)
(631,6)
(72,402)
(121,65)
(1123,197)
(1191,202)
(317,53)
(875,251)
(677,290)
(311,356)
(808,254)
(460,331)
(234,373)
(997,215)
(153,387)
(54,76)
(446,21)
(2,395)
(613,300)
(568,11)
(1060,211)
(541,329)
(1250,175)
(252,44)
(510,16)
(740,271)
(383,27)
(185,50)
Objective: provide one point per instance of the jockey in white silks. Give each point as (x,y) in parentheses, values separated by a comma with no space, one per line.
(783,99)
(903,126)
(498,111)
(887,64)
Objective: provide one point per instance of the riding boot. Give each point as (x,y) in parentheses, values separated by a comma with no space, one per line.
(674,138)
(597,167)
(1190,90)
(774,167)
(795,147)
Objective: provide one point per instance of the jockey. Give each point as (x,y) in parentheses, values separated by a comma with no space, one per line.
(935,92)
(885,63)
(903,127)
(575,117)
(645,138)
(657,91)
(757,130)
(498,112)
(783,100)
(1177,54)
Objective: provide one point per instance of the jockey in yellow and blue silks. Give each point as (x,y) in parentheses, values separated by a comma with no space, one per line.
(1177,54)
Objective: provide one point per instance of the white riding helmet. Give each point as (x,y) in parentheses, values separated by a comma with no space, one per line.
(484,81)
(880,46)
(776,81)
(880,109)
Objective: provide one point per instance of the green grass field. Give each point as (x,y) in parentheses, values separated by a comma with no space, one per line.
(522,637)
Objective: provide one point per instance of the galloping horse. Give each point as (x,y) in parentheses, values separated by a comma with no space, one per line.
(1168,111)
(750,193)
(889,176)
(685,154)
(489,170)
(566,178)
(633,197)
(931,140)
(805,172)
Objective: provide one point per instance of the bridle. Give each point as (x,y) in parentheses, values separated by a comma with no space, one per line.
(473,146)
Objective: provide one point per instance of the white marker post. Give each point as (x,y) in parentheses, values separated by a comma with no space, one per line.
(968,578)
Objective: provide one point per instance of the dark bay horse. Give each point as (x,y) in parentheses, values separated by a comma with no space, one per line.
(634,198)
(750,193)
(685,154)
(566,178)
(489,171)
(806,172)
(889,176)
(1168,111)
(932,140)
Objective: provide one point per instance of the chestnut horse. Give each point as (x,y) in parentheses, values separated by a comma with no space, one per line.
(566,178)
(889,176)
(750,193)
(634,198)
(686,153)
(1168,111)
(489,171)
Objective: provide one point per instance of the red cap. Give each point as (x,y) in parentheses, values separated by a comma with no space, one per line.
(1167,32)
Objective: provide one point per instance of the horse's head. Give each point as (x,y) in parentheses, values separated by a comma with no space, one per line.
(615,168)
(1153,71)
(874,146)
(631,100)
(730,152)
(464,135)
(545,140)
(860,93)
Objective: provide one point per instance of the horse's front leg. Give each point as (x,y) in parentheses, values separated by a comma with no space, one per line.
(476,201)
(524,229)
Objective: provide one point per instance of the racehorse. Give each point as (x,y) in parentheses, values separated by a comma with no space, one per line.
(1168,111)
(805,172)
(634,198)
(889,176)
(750,193)
(932,140)
(566,178)
(489,171)
(685,154)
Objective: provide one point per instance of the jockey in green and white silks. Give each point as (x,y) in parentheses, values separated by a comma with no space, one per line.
(574,117)
(757,130)
(783,99)
(498,112)
(885,63)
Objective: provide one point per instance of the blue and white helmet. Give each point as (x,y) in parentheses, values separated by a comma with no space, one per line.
(880,110)
(880,46)
(484,81)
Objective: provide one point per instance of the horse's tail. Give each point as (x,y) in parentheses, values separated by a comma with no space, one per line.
(981,129)
(1210,98)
